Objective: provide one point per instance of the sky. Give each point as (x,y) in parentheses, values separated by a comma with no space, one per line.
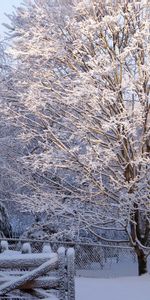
(6,6)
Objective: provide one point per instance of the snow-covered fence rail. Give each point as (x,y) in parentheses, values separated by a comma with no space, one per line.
(32,266)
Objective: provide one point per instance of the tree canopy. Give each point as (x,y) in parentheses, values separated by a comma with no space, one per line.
(83,81)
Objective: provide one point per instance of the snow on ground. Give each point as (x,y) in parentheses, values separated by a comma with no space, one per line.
(124,288)
(111,269)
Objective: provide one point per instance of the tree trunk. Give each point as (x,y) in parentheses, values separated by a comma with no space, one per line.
(142,262)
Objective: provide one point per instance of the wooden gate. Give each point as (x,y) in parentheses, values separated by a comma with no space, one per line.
(39,272)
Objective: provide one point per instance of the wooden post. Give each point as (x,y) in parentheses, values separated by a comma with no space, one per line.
(4,246)
(62,273)
(26,248)
(71,273)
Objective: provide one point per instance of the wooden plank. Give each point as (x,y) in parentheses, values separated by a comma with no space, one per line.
(42,294)
(13,273)
(41,282)
(24,260)
(17,283)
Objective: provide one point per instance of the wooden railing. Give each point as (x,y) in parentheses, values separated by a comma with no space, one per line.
(33,271)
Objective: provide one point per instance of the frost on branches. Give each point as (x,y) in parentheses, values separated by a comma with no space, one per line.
(5,186)
(83,82)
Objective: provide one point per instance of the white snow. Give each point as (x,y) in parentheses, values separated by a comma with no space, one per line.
(47,249)
(124,288)
(61,250)
(11,259)
(18,255)
(125,267)
(70,251)
(51,297)
(4,245)
(26,248)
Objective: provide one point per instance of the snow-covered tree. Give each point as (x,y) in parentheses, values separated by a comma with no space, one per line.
(83,83)
(5,227)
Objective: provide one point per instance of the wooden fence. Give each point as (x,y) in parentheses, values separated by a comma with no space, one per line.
(37,271)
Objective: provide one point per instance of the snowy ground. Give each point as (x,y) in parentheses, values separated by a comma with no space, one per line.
(125,288)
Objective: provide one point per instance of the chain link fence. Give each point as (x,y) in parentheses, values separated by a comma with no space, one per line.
(105,261)
(91,260)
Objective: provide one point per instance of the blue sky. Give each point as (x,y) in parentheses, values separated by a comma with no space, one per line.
(6,6)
